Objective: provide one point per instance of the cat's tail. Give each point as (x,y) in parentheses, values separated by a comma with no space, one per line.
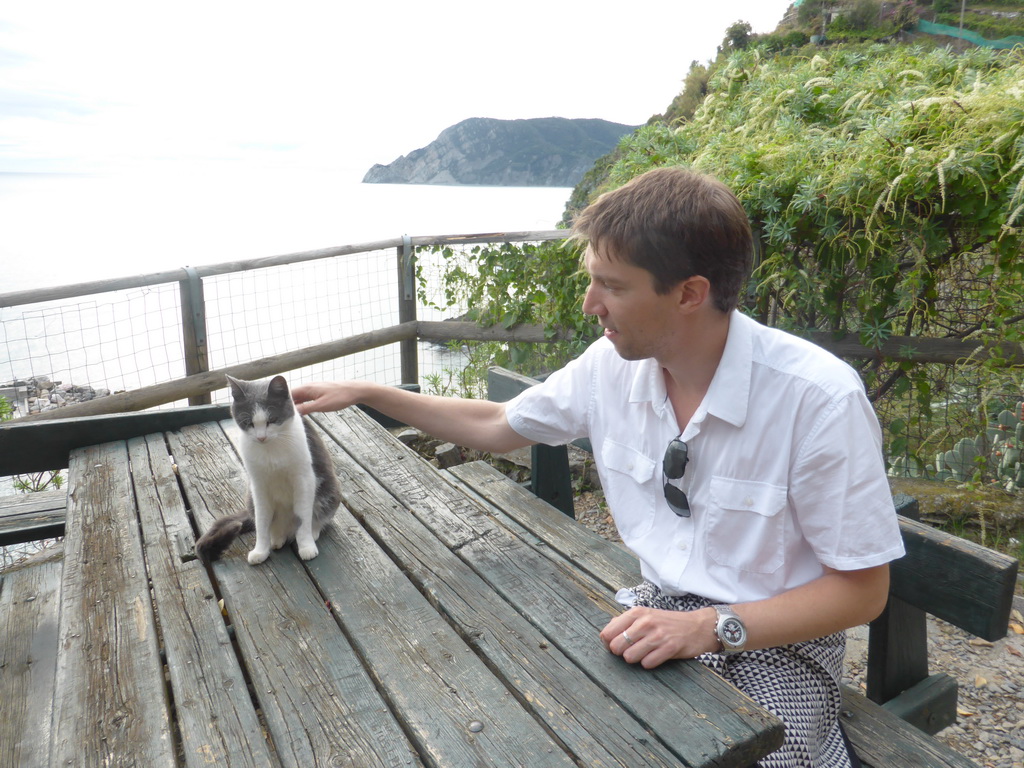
(211,545)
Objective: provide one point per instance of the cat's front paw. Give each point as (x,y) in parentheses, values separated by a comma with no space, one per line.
(308,551)
(257,556)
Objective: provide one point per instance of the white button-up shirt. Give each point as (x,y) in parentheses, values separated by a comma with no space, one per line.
(785,470)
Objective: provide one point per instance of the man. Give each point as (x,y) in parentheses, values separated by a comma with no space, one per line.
(742,465)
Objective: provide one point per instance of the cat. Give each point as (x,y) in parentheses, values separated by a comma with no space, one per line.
(293,490)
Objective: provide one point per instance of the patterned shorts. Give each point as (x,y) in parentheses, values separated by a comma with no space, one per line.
(797,683)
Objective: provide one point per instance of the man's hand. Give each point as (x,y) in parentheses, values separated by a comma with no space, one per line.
(831,603)
(650,636)
(324,396)
(479,424)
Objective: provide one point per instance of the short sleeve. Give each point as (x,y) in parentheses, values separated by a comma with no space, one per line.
(840,492)
(556,410)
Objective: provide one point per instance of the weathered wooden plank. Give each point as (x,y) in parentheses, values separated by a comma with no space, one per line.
(414,661)
(883,740)
(110,706)
(897,651)
(320,706)
(457,330)
(503,384)
(898,639)
(416,658)
(731,730)
(612,565)
(32,516)
(29,602)
(957,580)
(586,720)
(216,718)
(929,705)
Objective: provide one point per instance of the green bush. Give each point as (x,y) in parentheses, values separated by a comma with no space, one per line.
(886,187)
(989,27)
(513,284)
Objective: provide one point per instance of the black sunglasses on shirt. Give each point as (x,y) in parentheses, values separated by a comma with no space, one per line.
(674,465)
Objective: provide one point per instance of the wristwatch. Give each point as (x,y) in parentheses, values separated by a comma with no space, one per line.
(731,632)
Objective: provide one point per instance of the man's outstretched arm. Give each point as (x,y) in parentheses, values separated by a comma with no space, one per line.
(479,424)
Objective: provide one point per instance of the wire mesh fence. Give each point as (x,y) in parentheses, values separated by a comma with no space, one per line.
(77,348)
(119,340)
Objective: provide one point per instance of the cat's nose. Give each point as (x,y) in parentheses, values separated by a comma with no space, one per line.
(261,438)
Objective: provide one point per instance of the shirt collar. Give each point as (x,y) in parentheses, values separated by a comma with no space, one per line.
(729,394)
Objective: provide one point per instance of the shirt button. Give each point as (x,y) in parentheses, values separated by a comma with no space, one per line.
(748,502)
(682,545)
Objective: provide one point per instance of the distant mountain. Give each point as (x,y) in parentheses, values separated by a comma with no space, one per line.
(538,152)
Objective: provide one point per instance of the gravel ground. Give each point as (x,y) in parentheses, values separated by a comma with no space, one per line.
(990,723)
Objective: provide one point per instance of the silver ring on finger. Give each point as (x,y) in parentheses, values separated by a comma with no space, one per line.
(627,638)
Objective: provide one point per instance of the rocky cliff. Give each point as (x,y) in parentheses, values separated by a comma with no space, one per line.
(539,152)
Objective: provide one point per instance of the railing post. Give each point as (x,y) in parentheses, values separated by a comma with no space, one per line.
(407,309)
(193,330)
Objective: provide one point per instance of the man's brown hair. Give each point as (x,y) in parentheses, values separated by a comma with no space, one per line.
(675,223)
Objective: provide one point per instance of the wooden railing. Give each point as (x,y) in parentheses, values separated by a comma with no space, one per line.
(200,380)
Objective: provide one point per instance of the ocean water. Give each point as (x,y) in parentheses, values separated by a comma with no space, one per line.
(57,229)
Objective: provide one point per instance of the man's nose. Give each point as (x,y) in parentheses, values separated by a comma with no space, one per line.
(591,306)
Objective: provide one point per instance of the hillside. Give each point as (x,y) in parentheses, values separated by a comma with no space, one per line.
(829,24)
(539,152)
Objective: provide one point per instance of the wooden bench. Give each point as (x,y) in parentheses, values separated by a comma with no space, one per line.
(32,516)
(960,582)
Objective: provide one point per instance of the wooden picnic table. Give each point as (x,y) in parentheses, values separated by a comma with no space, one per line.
(451,619)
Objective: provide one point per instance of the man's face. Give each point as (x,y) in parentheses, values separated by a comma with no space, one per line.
(635,318)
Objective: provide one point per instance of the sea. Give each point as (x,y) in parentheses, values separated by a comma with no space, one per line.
(58,229)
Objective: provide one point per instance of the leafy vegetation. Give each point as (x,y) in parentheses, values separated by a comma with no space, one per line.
(886,185)
(509,285)
(985,24)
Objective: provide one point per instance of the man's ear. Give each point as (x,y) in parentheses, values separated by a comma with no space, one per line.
(694,292)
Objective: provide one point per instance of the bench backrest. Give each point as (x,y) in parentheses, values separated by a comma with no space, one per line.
(952,578)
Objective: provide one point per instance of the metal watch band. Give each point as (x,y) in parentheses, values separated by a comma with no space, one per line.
(730,630)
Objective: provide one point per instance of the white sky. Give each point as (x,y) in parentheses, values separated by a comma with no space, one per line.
(103,85)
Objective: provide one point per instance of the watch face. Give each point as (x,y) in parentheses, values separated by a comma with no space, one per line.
(733,631)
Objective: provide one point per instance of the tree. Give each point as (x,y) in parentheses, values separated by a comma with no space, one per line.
(864,14)
(905,15)
(737,36)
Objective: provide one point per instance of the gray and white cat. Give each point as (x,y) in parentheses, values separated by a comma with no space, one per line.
(293,490)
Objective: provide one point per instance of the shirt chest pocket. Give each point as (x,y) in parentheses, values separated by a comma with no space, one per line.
(746,524)
(629,487)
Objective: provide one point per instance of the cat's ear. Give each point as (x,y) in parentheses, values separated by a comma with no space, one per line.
(236,387)
(278,386)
